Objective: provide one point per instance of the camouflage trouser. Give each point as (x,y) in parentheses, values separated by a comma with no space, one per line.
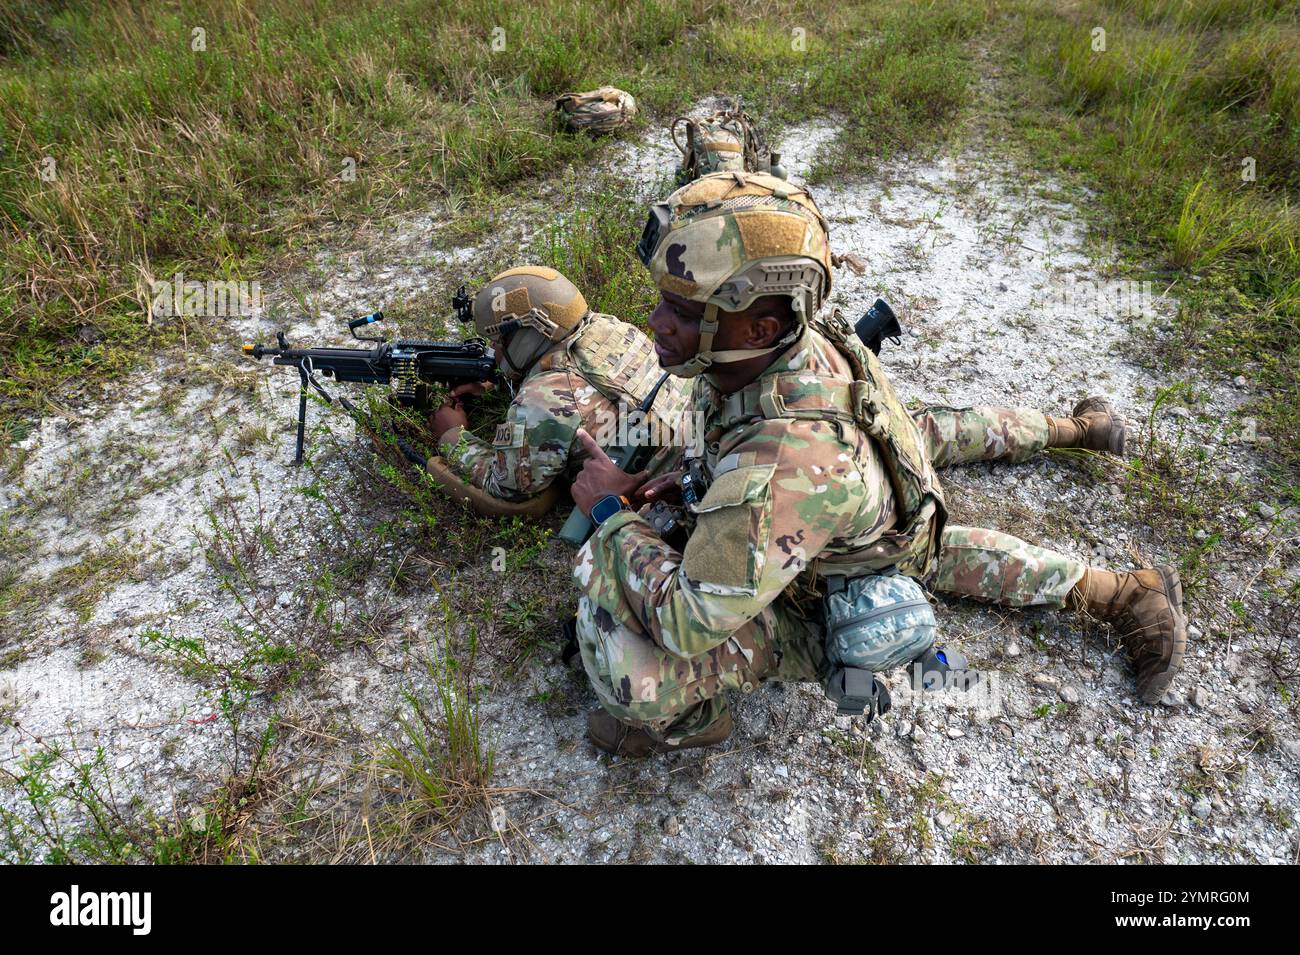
(998,568)
(984,564)
(962,435)
(673,697)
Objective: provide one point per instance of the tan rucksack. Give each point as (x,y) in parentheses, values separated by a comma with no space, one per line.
(726,141)
(596,111)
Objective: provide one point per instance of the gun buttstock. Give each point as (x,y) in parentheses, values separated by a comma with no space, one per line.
(577,528)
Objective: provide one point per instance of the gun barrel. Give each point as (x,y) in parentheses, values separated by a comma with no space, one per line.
(365,320)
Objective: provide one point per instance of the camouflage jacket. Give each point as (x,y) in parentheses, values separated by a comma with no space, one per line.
(598,373)
(795,478)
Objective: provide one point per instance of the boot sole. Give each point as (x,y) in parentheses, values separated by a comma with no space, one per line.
(1174,588)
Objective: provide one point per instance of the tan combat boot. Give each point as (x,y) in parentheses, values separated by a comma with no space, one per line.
(1094,426)
(1146,608)
(607,732)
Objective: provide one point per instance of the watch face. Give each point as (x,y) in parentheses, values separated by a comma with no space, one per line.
(607,506)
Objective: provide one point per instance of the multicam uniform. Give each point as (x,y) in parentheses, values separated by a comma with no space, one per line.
(986,564)
(792,479)
(663,634)
(814,468)
(601,371)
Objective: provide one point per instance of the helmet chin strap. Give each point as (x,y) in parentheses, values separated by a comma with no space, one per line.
(705,357)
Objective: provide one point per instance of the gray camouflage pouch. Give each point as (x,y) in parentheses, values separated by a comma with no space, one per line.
(873,623)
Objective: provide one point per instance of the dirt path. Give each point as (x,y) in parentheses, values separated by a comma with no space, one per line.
(116,508)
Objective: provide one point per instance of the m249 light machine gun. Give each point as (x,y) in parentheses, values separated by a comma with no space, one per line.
(409,365)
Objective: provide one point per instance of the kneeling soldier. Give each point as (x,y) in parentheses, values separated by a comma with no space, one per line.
(808,466)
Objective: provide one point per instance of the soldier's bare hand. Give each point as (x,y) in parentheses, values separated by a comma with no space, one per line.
(665,487)
(474,388)
(450,415)
(600,476)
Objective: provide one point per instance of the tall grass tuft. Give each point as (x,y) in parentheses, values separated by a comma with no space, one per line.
(440,754)
(1187,124)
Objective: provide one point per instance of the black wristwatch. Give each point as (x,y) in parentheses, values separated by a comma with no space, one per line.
(608,506)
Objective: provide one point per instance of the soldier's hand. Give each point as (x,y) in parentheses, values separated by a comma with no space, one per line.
(600,476)
(450,415)
(666,487)
(474,388)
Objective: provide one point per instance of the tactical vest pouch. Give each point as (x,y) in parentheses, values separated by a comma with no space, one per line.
(620,363)
(873,624)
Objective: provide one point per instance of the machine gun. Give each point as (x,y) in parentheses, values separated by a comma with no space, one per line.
(409,365)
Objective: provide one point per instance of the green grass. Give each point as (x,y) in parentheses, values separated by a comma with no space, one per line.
(439,761)
(227,162)
(1167,124)
(70,812)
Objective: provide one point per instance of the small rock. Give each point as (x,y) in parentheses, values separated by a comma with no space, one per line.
(1201,809)
(1170,700)
(904,729)
(782,772)
(1069,694)
(1267,511)
(1179,412)
(1240,381)
(946,818)
(1200,697)
(1012,649)
(1002,286)
(1042,679)
(956,732)
(1200,535)
(284,599)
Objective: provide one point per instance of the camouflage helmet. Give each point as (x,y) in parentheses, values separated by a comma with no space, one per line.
(597,111)
(729,238)
(529,308)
